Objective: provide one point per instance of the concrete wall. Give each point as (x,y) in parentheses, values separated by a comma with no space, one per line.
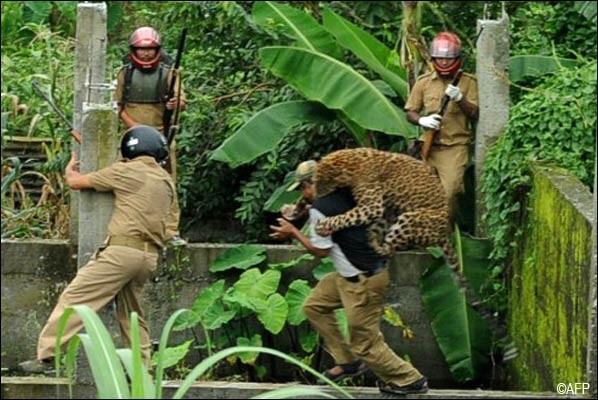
(35,272)
(551,284)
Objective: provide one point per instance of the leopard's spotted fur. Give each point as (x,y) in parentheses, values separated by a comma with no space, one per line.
(399,197)
(390,188)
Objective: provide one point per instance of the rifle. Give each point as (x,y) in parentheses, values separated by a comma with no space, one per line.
(38,90)
(430,134)
(171,128)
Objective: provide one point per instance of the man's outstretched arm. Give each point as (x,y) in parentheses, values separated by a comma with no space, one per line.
(286,230)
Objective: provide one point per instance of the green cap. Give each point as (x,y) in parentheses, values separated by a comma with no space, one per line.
(304,171)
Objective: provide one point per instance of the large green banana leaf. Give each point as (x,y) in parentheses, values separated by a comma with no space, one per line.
(266,129)
(358,132)
(586,8)
(524,66)
(368,49)
(463,336)
(296,24)
(322,78)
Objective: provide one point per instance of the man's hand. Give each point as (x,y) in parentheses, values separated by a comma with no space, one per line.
(73,178)
(171,104)
(72,168)
(126,118)
(453,92)
(284,230)
(431,121)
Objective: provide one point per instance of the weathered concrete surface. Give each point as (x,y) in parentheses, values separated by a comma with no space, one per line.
(551,284)
(34,273)
(44,388)
(99,149)
(492,61)
(90,65)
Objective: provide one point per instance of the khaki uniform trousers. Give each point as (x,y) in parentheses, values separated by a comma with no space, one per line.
(363,302)
(116,271)
(450,163)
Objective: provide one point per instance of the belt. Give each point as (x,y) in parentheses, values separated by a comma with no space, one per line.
(132,242)
(367,274)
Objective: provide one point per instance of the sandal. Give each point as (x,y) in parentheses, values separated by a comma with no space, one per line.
(349,370)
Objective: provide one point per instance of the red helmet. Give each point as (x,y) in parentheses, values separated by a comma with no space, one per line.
(145,37)
(446,45)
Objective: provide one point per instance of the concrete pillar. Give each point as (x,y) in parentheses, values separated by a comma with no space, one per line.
(492,61)
(97,121)
(592,353)
(90,66)
(99,150)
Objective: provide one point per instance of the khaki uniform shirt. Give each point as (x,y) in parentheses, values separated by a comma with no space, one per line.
(143,192)
(144,113)
(425,99)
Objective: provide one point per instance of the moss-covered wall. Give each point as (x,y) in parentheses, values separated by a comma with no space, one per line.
(550,284)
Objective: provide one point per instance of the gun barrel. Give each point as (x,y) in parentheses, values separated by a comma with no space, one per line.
(44,96)
(169,127)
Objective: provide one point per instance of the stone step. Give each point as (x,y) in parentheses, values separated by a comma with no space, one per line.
(45,387)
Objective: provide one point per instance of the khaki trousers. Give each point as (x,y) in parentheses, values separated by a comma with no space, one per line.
(116,272)
(450,163)
(363,302)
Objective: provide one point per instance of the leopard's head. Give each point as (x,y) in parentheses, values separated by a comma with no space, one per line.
(332,173)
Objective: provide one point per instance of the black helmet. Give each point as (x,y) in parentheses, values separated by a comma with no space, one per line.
(143,140)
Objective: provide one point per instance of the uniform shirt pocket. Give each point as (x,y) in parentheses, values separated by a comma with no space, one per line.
(431,102)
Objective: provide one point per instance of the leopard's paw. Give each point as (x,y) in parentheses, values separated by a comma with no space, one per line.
(323,227)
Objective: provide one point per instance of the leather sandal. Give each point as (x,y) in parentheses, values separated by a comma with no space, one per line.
(349,370)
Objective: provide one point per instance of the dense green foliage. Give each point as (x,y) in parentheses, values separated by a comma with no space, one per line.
(226,84)
(541,29)
(255,308)
(553,118)
(555,124)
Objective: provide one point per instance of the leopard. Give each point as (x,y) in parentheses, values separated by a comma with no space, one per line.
(399,197)
(402,201)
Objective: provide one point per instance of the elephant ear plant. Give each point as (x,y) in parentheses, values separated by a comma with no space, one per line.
(107,362)
(254,307)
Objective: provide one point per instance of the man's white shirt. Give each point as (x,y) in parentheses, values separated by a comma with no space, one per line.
(340,261)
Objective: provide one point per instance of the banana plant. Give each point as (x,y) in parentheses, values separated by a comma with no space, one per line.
(523,66)
(313,65)
(462,334)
